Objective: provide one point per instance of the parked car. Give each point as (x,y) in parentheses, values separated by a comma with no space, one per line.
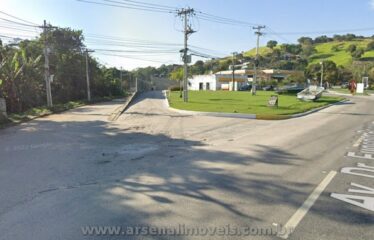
(268,88)
(291,89)
(345,85)
(247,87)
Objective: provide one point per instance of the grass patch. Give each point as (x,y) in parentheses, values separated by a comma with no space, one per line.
(347,91)
(244,102)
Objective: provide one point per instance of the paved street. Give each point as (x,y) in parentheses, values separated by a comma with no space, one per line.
(161,168)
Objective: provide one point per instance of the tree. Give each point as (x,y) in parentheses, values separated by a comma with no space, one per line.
(358,53)
(291,48)
(370,46)
(351,48)
(14,78)
(296,77)
(177,75)
(308,50)
(322,39)
(330,71)
(271,44)
(335,48)
(305,41)
(198,68)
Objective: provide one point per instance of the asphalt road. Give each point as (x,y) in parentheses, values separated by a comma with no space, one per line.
(158,168)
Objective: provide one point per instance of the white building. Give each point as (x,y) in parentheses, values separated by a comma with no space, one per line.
(224,80)
(218,81)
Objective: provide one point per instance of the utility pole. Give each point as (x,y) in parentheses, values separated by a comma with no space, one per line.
(186,13)
(259,34)
(233,70)
(46,65)
(136,84)
(321,84)
(121,79)
(88,76)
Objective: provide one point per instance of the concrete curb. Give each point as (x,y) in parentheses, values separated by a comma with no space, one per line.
(317,109)
(249,116)
(115,115)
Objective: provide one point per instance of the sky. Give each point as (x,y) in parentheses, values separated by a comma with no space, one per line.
(285,20)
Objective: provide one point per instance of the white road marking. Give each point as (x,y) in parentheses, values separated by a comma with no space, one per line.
(365,202)
(303,210)
(366,156)
(358,142)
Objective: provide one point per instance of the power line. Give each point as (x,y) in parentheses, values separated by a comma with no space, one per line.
(18,29)
(136,58)
(223,20)
(279,35)
(150,4)
(120,5)
(22,24)
(329,31)
(20,19)
(142,5)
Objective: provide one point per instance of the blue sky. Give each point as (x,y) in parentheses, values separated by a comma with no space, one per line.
(282,16)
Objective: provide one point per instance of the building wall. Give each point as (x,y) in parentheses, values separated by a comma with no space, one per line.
(203,81)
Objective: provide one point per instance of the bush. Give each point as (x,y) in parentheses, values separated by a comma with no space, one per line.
(175,88)
(370,46)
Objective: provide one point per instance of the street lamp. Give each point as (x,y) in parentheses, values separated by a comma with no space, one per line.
(321,73)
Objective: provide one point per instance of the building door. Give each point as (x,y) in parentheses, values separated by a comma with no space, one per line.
(207,86)
(201,86)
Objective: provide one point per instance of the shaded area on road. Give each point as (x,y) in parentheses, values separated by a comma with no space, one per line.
(90,172)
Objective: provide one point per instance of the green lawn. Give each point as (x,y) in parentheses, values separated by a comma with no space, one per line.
(244,102)
(347,91)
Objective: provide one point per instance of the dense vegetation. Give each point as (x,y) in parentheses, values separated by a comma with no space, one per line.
(22,72)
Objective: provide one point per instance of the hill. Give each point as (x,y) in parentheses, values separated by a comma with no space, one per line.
(334,51)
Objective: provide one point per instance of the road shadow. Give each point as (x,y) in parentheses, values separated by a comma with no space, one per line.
(126,177)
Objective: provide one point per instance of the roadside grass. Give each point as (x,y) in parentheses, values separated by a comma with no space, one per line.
(346,91)
(244,102)
(16,118)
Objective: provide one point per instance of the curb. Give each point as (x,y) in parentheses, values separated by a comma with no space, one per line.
(250,116)
(115,115)
(317,109)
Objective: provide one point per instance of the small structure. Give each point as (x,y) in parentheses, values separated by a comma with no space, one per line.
(225,80)
(310,93)
(203,82)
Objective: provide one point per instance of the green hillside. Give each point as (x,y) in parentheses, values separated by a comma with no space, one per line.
(334,51)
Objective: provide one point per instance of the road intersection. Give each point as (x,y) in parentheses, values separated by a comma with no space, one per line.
(157,167)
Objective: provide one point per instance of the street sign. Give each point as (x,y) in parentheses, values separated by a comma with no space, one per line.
(273,101)
(360,88)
